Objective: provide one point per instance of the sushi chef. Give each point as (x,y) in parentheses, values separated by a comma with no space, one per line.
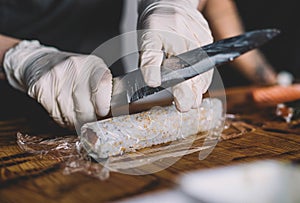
(45,47)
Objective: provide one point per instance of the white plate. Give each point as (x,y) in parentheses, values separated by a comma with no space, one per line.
(267,181)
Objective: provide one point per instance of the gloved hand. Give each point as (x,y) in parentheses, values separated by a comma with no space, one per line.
(73,88)
(172,27)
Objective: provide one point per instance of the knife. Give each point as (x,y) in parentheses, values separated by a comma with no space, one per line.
(131,87)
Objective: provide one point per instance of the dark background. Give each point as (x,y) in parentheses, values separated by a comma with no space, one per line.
(282,52)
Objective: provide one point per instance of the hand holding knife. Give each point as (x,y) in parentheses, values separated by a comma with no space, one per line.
(130,87)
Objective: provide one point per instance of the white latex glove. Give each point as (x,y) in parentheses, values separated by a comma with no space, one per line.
(172,27)
(73,88)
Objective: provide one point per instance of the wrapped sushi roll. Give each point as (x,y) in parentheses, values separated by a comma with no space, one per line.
(118,135)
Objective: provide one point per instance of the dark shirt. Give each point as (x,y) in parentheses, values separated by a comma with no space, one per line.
(71,25)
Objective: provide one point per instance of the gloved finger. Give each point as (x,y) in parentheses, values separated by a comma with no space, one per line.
(197,30)
(65,106)
(200,85)
(171,30)
(83,107)
(64,98)
(204,80)
(101,89)
(48,99)
(173,44)
(66,73)
(190,34)
(198,95)
(183,96)
(151,58)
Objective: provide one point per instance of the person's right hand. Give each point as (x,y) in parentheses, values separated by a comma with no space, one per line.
(168,28)
(73,88)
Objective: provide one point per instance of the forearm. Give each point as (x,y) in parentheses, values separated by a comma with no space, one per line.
(223,18)
(225,21)
(5,44)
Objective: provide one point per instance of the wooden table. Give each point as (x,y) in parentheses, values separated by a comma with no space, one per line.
(28,178)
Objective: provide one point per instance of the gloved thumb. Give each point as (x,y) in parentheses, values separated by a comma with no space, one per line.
(151,57)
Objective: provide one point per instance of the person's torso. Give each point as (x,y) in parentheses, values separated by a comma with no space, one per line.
(70,25)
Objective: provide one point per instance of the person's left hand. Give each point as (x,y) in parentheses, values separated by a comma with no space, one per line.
(171,28)
(73,88)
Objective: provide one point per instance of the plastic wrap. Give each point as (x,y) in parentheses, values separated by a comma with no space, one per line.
(66,150)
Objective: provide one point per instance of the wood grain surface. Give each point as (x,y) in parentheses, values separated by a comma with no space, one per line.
(26,177)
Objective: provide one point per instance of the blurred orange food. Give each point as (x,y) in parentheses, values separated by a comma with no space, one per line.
(276,94)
